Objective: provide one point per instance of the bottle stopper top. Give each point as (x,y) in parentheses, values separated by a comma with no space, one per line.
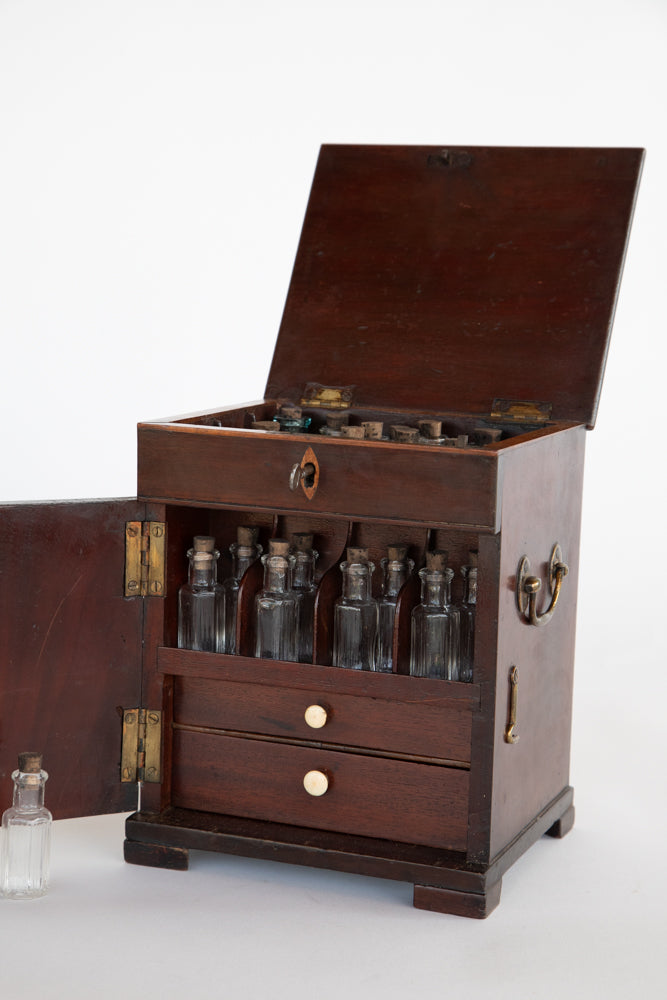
(264,425)
(373,429)
(302,541)
(290,411)
(202,559)
(204,543)
(246,535)
(437,559)
(352,431)
(336,420)
(397,552)
(357,555)
(30,762)
(278,547)
(431,428)
(472,557)
(404,433)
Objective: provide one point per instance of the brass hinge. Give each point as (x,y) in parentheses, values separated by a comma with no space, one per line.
(142,741)
(516,411)
(330,397)
(144,558)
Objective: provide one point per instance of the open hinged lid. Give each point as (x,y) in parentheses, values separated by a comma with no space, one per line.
(444,280)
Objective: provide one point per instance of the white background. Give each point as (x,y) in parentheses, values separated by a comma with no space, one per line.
(155,160)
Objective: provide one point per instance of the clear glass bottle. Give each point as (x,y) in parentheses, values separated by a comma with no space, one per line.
(200,600)
(26,833)
(303,584)
(244,552)
(467,610)
(275,605)
(355,614)
(396,568)
(435,624)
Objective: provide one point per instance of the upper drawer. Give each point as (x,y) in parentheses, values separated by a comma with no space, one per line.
(356,479)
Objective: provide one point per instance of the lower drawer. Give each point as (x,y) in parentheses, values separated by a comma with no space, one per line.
(368,796)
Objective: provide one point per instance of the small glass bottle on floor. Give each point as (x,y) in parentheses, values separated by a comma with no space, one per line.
(303,583)
(467,610)
(355,614)
(275,605)
(244,552)
(26,833)
(434,647)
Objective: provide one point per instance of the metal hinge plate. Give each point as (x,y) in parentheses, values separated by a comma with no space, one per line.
(330,397)
(515,411)
(142,743)
(144,558)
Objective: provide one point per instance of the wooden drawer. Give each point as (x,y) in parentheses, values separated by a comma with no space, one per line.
(357,479)
(369,796)
(386,713)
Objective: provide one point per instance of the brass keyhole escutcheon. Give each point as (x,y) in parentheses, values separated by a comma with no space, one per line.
(305,474)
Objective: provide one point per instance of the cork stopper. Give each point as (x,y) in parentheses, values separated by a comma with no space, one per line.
(372,429)
(349,431)
(265,425)
(336,421)
(278,547)
(290,411)
(356,555)
(202,560)
(431,428)
(462,441)
(437,560)
(246,535)
(472,557)
(30,762)
(203,543)
(404,433)
(397,552)
(302,541)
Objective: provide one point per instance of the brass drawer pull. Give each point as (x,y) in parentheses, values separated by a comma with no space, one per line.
(527,587)
(316,782)
(316,716)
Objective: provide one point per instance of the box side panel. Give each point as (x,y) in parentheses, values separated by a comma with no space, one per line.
(541,506)
(70,649)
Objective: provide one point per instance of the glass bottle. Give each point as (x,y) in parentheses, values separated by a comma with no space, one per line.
(355,614)
(275,605)
(395,569)
(244,552)
(26,833)
(435,624)
(303,584)
(291,420)
(200,600)
(467,610)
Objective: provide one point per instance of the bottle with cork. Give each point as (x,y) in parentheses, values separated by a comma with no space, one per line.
(275,605)
(467,610)
(244,552)
(303,584)
(396,568)
(26,833)
(434,645)
(356,614)
(200,600)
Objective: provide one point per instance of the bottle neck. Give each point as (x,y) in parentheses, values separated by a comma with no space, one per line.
(304,570)
(436,587)
(243,556)
(470,577)
(278,573)
(357,580)
(29,789)
(395,572)
(203,569)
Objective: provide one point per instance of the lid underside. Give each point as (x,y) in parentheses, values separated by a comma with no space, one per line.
(441,280)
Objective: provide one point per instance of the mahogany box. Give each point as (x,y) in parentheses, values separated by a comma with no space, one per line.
(471,286)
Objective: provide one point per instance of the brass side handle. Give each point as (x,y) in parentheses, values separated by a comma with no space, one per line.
(510,733)
(527,588)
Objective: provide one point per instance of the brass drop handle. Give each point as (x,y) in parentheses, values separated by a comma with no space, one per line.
(510,729)
(527,588)
(316,783)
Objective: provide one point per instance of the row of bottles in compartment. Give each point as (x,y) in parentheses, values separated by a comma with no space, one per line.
(283,611)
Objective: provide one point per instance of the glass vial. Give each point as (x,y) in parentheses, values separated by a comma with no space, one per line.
(355,614)
(26,833)
(200,600)
(467,611)
(244,552)
(303,584)
(396,568)
(435,624)
(275,605)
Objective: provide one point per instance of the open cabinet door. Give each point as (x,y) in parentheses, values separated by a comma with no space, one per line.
(70,649)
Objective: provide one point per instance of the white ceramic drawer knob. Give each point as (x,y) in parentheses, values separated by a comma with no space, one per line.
(316,716)
(316,782)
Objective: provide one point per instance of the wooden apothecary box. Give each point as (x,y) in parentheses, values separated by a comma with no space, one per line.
(475,286)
